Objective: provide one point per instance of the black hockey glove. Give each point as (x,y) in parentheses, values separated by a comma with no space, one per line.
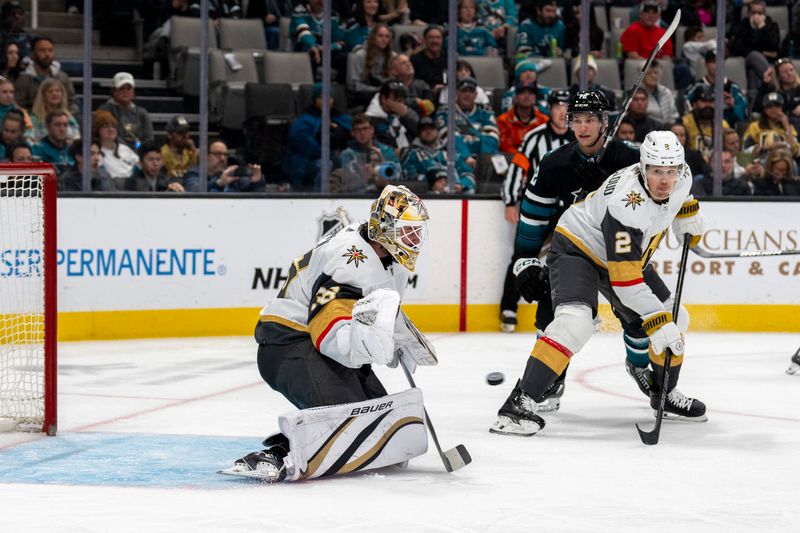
(590,173)
(533,278)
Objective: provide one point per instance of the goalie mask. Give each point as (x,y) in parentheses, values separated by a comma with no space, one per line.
(398,221)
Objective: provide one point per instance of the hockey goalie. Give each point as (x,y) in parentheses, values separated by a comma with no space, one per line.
(337,315)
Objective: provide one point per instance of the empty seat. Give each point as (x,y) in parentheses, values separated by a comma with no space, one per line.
(274,102)
(601,15)
(242,34)
(283,35)
(779,14)
(735,70)
(184,57)
(228,74)
(607,73)
(305,92)
(555,75)
(511,41)
(619,17)
(489,71)
(287,67)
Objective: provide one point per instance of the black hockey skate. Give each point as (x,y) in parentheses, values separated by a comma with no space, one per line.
(265,465)
(643,377)
(508,321)
(551,399)
(517,416)
(679,407)
(794,367)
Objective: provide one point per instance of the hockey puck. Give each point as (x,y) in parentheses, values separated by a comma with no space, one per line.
(495,378)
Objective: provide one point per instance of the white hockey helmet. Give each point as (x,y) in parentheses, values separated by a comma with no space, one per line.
(398,221)
(660,149)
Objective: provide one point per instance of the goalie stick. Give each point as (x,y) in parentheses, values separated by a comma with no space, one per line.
(651,437)
(454,458)
(724,255)
(661,42)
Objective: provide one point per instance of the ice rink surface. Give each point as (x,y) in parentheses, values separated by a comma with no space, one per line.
(144,425)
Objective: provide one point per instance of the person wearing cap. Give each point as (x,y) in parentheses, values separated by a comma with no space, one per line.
(537,35)
(395,122)
(591,73)
(133,122)
(41,67)
(699,121)
(476,124)
(464,70)
(525,70)
(735,102)
(786,82)
(430,63)
(521,118)
(473,39)
(12,27)
(363,162)
(772,131)
(427,158)
(179,153)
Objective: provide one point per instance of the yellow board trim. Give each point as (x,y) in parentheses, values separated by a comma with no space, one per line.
(109,325)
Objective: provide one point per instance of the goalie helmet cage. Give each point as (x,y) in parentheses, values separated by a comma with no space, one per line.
(28,344)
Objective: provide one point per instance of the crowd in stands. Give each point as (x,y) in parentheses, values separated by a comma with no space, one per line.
(389,56)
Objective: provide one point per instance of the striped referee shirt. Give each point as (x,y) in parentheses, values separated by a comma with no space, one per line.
(535,145)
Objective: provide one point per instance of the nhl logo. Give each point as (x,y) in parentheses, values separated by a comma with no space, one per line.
(328,224)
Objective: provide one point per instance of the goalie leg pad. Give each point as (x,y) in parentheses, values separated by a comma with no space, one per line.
(346,438)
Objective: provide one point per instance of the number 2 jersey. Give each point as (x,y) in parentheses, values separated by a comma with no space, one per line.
(619,226)
(323,285)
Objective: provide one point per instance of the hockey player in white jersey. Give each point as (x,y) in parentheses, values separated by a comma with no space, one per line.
(336,315)
(604,244)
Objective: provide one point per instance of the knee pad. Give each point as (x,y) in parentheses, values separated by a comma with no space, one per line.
(340,439)
(572,326)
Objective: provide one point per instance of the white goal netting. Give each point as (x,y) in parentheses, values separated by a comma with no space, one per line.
(22,302)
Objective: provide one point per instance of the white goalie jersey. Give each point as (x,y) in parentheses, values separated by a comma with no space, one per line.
(619,227)
(323,286)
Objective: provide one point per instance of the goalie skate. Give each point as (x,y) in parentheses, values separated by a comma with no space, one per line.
(517,416)
(679,407)
(794,367)
(263,466)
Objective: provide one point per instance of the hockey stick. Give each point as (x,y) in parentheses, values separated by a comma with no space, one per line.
(453,459)
(714,255)
(651,437)
(661,42)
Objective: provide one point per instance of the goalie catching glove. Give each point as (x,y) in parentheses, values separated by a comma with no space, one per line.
(372,328)
(689,220)
(533,278)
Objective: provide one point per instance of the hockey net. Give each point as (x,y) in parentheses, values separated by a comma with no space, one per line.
(28,298)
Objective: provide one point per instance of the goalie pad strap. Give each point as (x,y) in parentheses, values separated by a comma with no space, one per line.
(345,438)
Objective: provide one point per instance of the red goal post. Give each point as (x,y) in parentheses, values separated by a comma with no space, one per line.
(28,298)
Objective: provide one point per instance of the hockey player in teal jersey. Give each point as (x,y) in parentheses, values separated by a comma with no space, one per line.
(605,244)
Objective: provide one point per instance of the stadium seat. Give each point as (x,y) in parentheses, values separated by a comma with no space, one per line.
(511,41)
(555,75)
(602,17)
(634,66)
(489,71)
(620,17)
(735,70)
(275,102)
(607,73)
(779,14)
(228,74)
(287,67)
(305,92)
(184,57)
(283,36)
(241,34)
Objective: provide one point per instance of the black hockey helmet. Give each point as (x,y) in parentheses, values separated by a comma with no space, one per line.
(558,96)
(589,102)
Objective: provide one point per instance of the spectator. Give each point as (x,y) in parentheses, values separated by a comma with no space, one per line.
(777,178)
(395,123)
(20,153)
(43,66)
(10,62)
(521,118)
(395,12)
(572,35)
(179,154)
(306,26)
(591,73)
(370,65)
(7,102)
(637,113)
(157,27)
(660,102)
(365,17)
(133,122)
(270,13)
(525,70)
(498,16)
(72,179)
(12,28)
(117,160)
(784,81)
(772,131)
(13,128)
(699,121)
(149,174)
(697,163)
(54,148)
(472,39)
(542,35)
(626,130)
(223,177)
(427,160)
(640,39)
(696,46)
(735,102)
(366,164)
(50,96)
(465,70)
(418,95)
(731,184)
(409,43)
(304,153)
(430,64)
(476,124)
(733,144)
(757,39)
